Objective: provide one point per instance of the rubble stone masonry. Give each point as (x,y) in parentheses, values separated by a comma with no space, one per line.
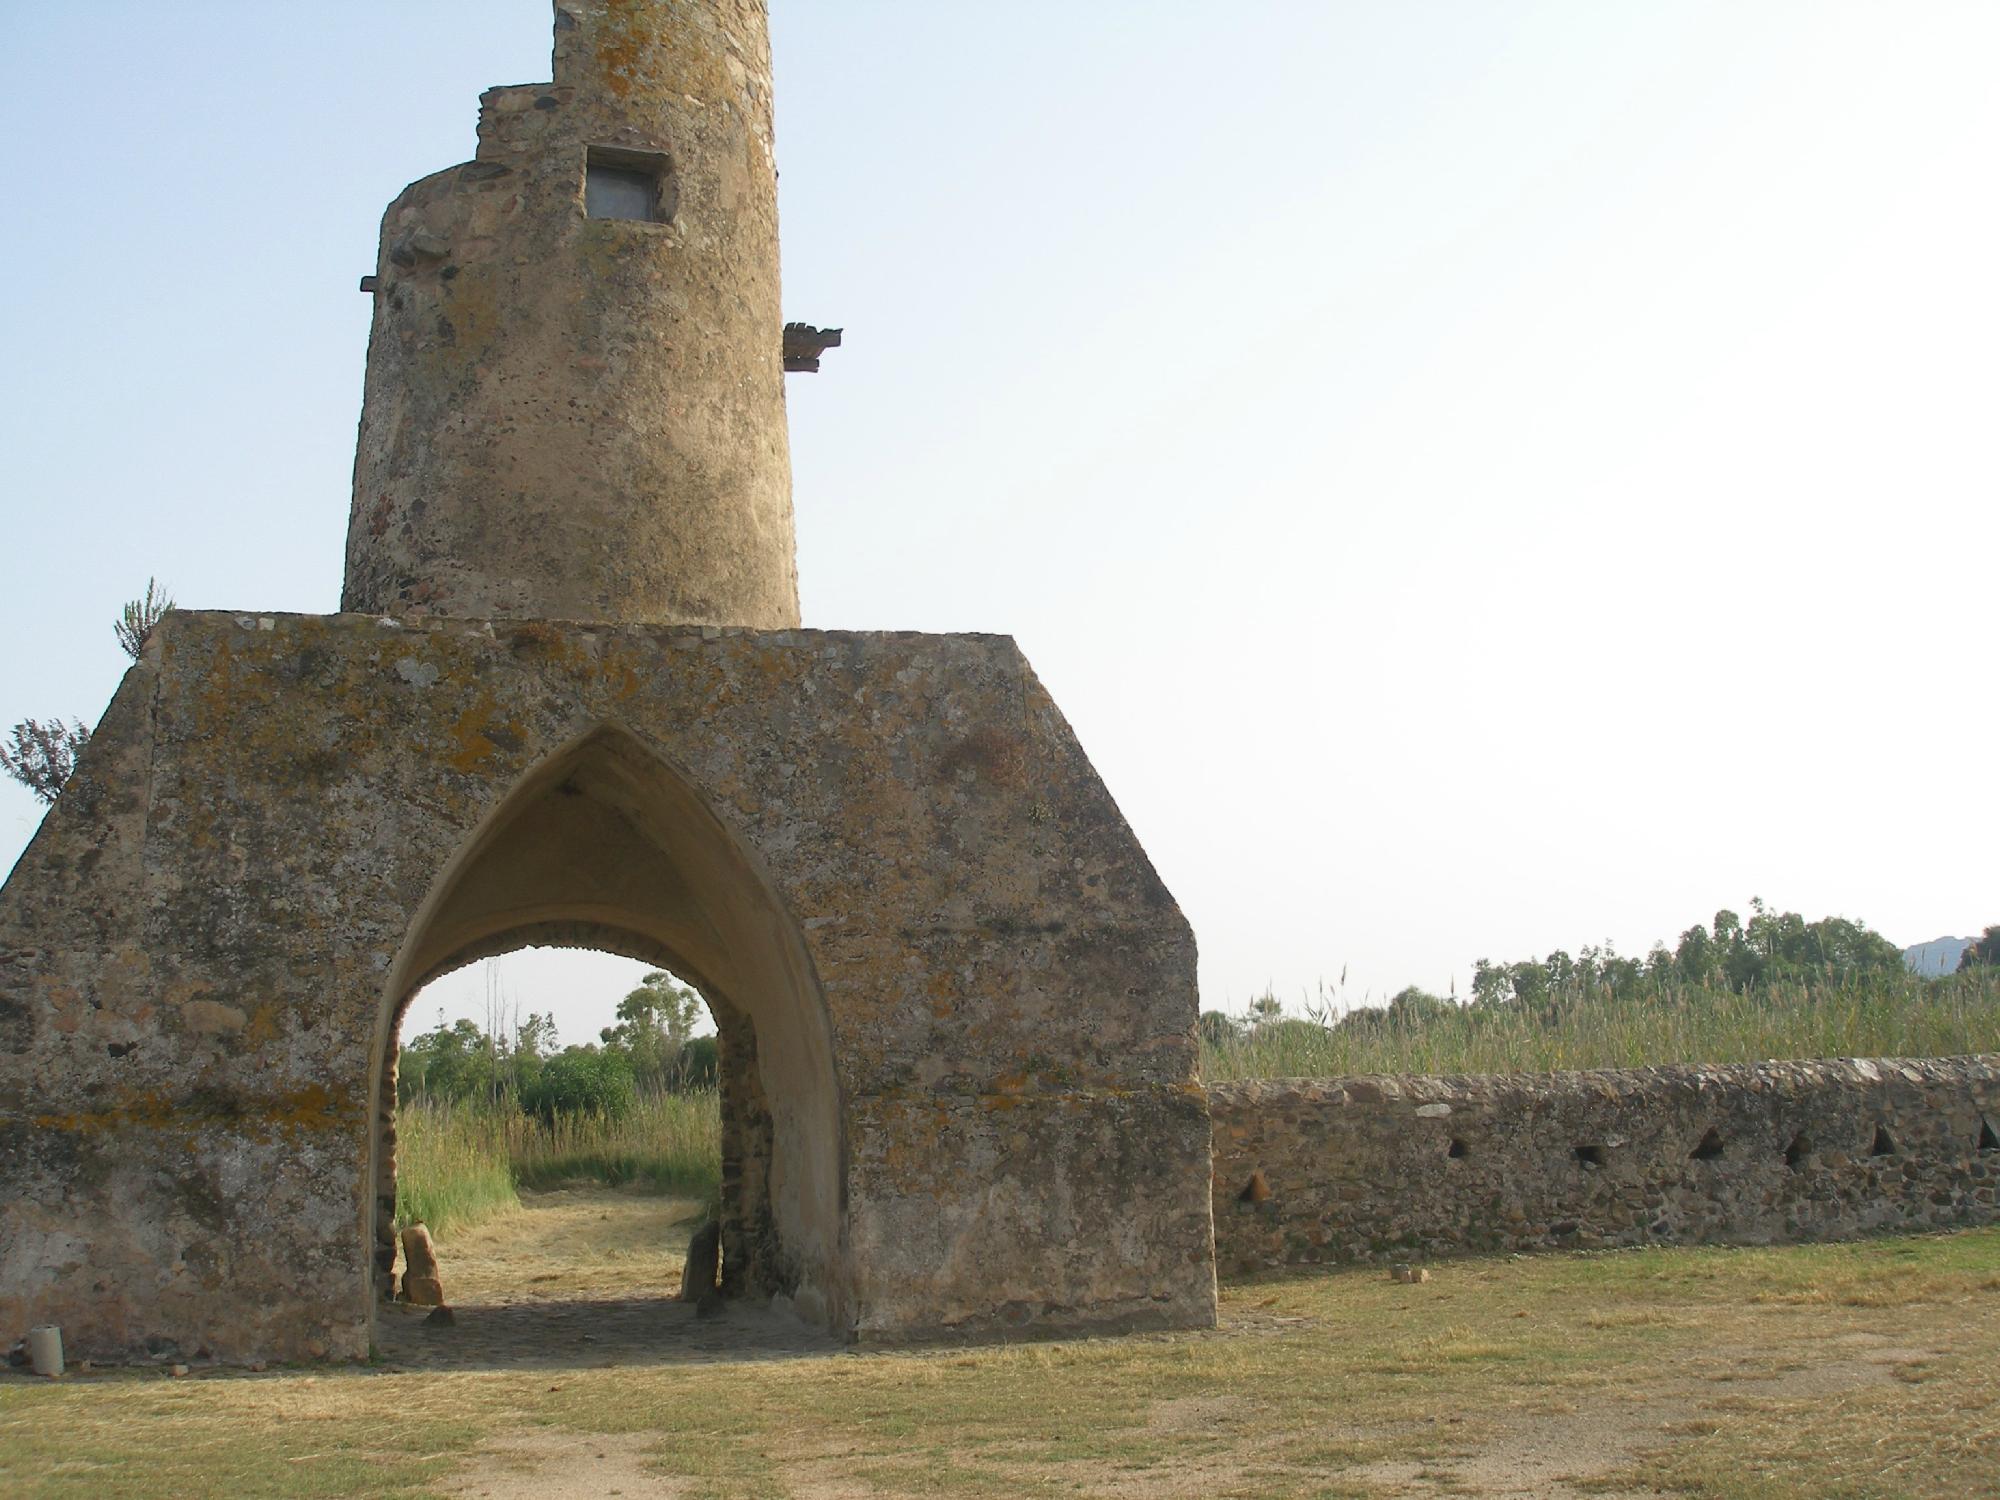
(957,1003)
(1381,1169)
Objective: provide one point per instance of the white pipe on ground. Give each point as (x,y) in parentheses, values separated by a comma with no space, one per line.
(45,1350)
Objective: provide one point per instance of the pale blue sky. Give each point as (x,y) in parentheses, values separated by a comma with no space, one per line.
(1480,477)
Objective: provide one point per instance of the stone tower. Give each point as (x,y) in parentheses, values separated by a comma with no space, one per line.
(568,702)
(575,405)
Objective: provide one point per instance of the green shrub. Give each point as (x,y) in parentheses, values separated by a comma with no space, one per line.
(1984,953)
(700,1065)
(581,1082)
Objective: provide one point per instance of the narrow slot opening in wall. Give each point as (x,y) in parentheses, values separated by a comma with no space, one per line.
(1988,1141)
(1797,1152)
(1883,1145)
(1590,1156)
(1457,1149)
(1708,1148)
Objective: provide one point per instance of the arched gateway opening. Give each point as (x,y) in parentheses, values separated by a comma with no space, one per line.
(606,845)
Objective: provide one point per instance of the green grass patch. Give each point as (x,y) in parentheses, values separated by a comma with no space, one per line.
(1752,1373)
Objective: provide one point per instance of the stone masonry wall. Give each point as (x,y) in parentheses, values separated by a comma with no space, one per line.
(971,1109)
(1377,1169)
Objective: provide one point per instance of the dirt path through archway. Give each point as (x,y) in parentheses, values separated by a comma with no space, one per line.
(580,1277)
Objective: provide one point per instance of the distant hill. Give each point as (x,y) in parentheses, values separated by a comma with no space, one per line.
(1938,956)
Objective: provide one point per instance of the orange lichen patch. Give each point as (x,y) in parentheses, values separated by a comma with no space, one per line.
(469,735)
(312,1108)
(473,308)
(634,43)
(627,41)
(152,1110)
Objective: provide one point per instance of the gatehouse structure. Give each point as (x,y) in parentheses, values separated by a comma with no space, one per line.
(568,702)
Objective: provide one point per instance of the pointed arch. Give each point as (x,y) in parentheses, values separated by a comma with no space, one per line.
(608,844)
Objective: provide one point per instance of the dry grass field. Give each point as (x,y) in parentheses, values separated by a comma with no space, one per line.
(1843,1371)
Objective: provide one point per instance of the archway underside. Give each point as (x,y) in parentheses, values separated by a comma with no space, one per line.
(605,846)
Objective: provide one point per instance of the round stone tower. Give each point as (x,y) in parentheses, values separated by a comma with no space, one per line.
(575,404)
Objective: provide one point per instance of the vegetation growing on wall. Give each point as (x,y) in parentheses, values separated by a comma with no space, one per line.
(42,756)
(135,622)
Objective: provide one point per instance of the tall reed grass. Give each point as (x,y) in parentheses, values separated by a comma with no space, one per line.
(459,1164)
(452,1168)
(669,1143)
(1666,1023)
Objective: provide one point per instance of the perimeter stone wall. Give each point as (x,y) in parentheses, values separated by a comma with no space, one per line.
(1383,1169)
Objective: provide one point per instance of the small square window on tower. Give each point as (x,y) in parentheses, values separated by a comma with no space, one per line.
(619,184)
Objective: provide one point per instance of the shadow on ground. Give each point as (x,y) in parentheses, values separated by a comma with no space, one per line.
(581,1278)
(591,1335)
